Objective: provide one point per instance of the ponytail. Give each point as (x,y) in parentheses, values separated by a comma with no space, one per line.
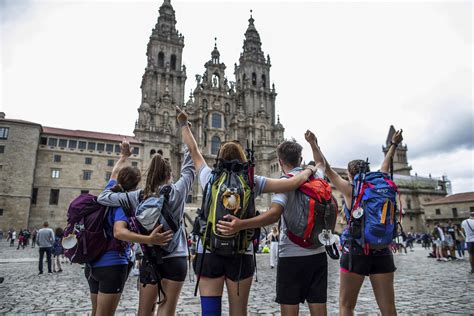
(159,172)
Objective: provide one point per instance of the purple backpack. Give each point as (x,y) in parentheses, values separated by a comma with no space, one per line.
(85,238)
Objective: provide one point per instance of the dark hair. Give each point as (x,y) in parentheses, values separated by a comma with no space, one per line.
(356,166)
(289,152)
(128,178)
(158,172)
(59,232)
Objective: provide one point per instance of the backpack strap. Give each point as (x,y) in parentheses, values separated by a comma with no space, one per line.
(165,191)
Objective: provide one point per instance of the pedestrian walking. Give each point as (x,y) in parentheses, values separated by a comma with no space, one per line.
(33,237)
(468,227)
(439,240)
(57,249)
(273,237)
(460,241)
(45,241)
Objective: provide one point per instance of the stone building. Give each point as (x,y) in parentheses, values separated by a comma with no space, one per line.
(455,207)
(43,168)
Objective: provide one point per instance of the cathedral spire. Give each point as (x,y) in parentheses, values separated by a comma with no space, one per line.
(252,44)
(215,53)
(165,28)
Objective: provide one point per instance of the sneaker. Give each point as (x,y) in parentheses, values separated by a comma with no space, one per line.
(444,259)
(60,270)
(40,273)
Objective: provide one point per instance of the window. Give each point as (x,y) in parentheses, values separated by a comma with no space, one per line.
(34,196)
(173,62)
(264,81)
(409,204)
(109,147)
(110,162)
(56,158)
(161,59)
(84,191)
(52,142)
(54,197)
(254,79)
(438,211)
(63,143)
(471,209)
(88,161)
(107,176)
(86,175)
(215,144)
(135,150)
(189,198)
(1,211)
(134,164)
(100,147)
(43,141)
(82,145)
(455,212)
(73,144)
(117,148)
(55,173)
(91,146)
(2,149)
(4,132)
(216,120)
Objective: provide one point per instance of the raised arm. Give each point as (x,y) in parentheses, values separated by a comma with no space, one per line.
(342,185)
(188,139)
(288,184)
(234,224)
(122,162)
(396,140)
(317,155)
(185,181)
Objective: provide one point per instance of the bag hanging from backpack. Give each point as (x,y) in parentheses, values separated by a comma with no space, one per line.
(313,215)
(85,238)
(373,218)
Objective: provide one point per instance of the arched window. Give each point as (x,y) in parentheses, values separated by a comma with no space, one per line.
(173,62)
(215,80)
(264,81)
(215,144)
(161,59)
(254,79)
(216,120)
(152,153)
(263,132)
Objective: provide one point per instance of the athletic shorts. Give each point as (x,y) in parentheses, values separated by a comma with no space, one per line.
(301,279)
(376,262)
(233,268)
(109,279)
(174,269)
(470,248)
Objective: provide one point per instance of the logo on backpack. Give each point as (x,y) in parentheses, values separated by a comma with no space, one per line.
(373,221)
(85,238)
(313,215)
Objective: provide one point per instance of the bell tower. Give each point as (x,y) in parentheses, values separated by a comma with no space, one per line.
(162,88)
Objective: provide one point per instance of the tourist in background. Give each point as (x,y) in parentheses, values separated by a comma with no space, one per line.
(460,241)
(468,227)
(33,237)
(438,240)
(45,241)
(57,249)
(273,238)
(449,244)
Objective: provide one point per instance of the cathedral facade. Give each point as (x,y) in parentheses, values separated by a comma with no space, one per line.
(219,109)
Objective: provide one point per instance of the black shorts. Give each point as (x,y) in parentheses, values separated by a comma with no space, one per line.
(301,279)
(109,280)
(174,269)
(470,248)
(376,262)
(216,266)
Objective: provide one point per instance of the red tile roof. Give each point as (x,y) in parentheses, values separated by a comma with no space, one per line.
(454,198)
(19,121)
(90,135)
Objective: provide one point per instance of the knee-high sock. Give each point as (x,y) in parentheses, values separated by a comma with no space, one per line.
(211,305)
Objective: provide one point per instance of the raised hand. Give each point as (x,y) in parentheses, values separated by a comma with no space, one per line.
(125,149)
(181,116)
(310,137)
(397,137)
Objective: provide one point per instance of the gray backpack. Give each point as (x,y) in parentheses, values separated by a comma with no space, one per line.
(313,215)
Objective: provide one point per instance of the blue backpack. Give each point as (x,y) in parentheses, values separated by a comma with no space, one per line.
(373,219)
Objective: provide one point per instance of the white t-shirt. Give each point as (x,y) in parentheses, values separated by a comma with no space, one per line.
(468,226)
(287,248)
(204,177)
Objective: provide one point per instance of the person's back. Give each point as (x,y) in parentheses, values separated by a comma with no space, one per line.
(45,237)
(468,227)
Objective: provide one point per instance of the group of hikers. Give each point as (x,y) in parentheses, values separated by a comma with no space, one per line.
(227,225)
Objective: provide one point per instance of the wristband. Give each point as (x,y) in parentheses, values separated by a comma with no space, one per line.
(395,144)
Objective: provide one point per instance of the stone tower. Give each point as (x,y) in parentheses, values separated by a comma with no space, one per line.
(162,89)
(400,160)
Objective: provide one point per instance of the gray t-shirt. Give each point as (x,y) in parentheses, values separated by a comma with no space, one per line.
(176,201)
(45,237)
(287,248)
(204,176)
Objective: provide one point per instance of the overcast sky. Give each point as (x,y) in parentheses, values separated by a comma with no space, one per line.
(347,70)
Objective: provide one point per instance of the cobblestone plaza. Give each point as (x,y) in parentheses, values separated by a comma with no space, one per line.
(422,286)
